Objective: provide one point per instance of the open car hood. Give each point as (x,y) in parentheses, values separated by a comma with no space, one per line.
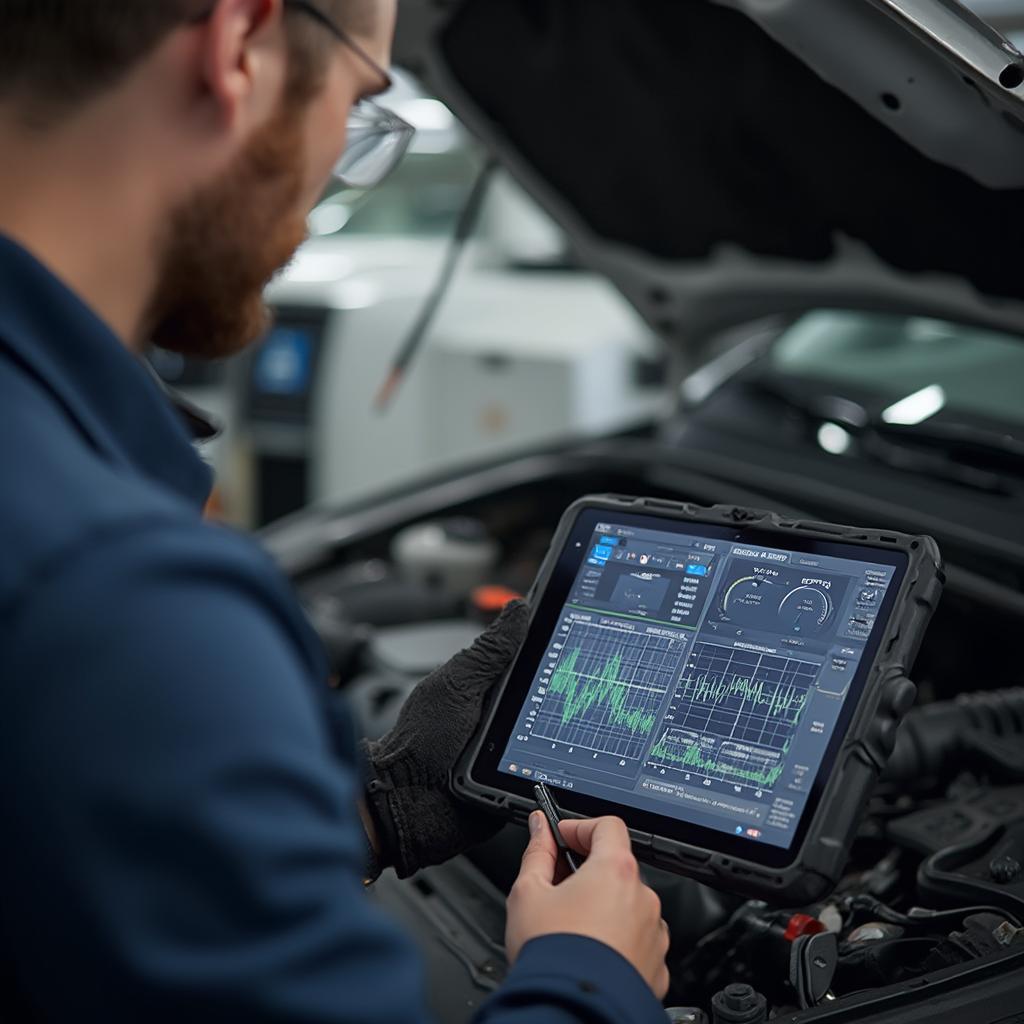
(724,160)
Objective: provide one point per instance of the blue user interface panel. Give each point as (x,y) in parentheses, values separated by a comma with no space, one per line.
(698,678)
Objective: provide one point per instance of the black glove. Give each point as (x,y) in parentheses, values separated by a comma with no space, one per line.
(418,819)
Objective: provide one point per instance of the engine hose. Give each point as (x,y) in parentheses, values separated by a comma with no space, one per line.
(931,738)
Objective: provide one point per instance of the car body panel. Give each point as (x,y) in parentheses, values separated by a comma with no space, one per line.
(695,154)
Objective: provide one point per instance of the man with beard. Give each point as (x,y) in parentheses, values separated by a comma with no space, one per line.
(187,821)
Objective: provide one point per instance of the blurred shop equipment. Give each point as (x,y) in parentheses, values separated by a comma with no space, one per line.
(525,348)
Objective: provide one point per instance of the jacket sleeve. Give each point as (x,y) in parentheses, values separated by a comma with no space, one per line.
(182,841)
(565,979)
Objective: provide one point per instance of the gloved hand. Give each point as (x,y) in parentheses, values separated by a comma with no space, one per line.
(417,818)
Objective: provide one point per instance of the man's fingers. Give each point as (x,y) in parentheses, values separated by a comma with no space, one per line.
(591,835)
(570,828)
(541,855)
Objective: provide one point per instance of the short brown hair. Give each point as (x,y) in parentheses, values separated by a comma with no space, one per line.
(58,54)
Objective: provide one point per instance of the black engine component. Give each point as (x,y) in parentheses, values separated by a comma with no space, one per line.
(974,848)
(739,1004)
(812,966)
(989,870)
(884,946)
(791,956)
(980,732)
(982,935)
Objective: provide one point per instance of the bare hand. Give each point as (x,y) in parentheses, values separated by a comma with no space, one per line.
(605,900)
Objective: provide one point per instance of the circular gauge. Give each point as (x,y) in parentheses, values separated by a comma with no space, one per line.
(750,600)
(805,610)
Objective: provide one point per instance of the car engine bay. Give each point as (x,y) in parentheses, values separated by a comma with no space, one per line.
(932,901)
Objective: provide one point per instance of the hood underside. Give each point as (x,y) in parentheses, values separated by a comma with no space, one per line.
(726,161)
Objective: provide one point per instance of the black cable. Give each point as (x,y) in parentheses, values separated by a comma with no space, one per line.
(925,918)
(418,332)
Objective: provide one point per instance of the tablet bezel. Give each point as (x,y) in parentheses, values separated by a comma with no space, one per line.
(548,601)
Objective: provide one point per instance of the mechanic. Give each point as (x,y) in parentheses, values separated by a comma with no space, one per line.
(186,823)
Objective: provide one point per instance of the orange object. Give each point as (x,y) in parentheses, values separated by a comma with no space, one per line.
(492,597)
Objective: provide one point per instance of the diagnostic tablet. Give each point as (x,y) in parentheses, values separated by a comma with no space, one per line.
(727,681)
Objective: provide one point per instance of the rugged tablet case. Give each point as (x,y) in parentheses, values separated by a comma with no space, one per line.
(888,695)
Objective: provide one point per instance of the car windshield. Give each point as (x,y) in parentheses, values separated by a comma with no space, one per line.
(980,371)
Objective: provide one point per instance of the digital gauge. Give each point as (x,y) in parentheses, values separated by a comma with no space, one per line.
(805,606)
(748,592)
(778,600)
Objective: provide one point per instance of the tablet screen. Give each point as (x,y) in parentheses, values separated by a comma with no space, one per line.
(694,672)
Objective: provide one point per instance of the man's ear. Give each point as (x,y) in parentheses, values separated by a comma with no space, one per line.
(243,58)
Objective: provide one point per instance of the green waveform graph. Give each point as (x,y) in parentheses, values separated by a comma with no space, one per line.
(735,713)
(743,695)
(604,688)
(690,757)
(581,695)
(773,700)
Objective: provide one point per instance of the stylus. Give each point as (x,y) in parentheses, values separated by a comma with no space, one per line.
(546,802)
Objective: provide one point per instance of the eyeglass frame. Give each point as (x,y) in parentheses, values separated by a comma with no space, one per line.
(310,9)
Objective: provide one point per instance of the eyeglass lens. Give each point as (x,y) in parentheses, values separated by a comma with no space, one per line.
(377,140)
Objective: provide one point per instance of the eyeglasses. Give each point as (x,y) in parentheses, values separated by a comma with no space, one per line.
(377,138)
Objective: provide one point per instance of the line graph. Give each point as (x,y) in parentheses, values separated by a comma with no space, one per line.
(765,699)
(733,715)
(728,762)
(605,686)
(582,693)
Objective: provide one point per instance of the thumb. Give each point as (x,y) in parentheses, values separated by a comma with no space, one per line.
(541,855)
(595,835)
(492,652)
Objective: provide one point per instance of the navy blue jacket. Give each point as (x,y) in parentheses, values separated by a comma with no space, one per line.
(180,838)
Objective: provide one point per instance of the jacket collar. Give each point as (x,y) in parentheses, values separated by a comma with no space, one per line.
(106,390)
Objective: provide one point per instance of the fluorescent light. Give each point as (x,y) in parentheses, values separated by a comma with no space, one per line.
(916,408)
(834,439)
(426,115)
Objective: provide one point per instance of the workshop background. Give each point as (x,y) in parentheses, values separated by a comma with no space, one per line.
(527,347)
